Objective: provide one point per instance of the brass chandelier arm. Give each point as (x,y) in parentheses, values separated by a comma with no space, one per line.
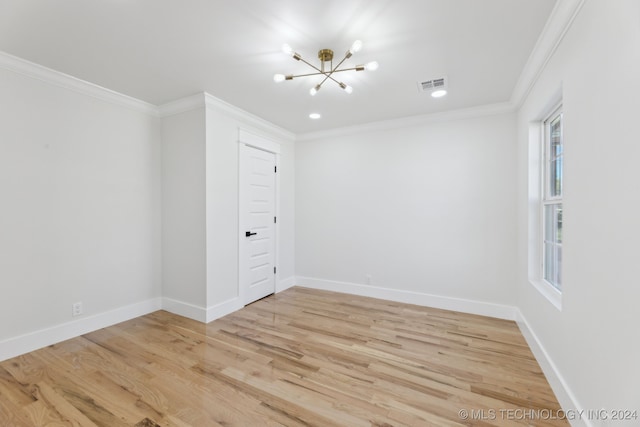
(319,71)
(289,77)
(334,70)
(327,76)
(324,73)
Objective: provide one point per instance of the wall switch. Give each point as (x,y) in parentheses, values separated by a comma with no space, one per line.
(76,309)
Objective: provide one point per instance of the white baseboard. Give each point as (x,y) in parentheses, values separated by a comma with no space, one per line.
(222,309)
(199,313)
(285,284)
(227,307)
(447,303)
(563,393)
(22,344)
(185,309)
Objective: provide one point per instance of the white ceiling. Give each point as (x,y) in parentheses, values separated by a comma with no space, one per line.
(162,50)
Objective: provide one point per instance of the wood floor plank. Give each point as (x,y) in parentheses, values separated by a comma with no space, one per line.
(64,410)
(299,358)
(13,415)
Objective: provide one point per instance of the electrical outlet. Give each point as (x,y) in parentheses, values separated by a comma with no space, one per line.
(368,278)
(76,309)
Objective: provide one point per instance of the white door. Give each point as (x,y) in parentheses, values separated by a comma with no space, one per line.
(257,242)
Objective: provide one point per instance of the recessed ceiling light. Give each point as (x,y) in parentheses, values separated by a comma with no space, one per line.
(438,93)
(314,116)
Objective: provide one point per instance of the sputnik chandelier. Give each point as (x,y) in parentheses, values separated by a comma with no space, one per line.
(326,67)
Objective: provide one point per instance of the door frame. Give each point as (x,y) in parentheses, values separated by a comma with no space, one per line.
(249,139)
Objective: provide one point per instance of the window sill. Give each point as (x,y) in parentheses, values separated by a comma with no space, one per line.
(549,292)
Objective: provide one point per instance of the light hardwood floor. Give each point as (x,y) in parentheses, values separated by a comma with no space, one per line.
(299,358)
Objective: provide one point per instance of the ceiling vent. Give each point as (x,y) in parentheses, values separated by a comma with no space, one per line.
(432,84)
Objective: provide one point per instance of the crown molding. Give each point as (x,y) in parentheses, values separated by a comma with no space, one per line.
(204,99)
(445,116)
(246,117)
(182,105)
(199,100)
(65,81)
(562,16)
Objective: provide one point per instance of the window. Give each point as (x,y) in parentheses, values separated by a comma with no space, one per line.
(552,172)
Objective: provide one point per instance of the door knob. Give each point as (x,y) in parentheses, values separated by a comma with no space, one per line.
(248,233)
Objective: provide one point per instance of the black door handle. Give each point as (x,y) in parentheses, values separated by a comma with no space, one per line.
(248,233)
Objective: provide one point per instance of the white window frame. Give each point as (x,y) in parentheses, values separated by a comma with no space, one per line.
(536,188)
(548,200)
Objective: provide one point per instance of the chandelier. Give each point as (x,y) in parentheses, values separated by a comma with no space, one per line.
(326,68)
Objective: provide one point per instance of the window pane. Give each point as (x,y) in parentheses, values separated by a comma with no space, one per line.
(558,268)
(549,270)
(553,223)
(555,177)
(558,222)
(558,174)
(555,135)
(548,223)
(553,264)
(552,179)
(555,151)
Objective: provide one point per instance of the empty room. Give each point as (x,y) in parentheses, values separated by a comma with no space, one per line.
(319,213)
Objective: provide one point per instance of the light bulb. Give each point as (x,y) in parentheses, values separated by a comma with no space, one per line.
(314,89)
(314,116)
(348,89)
(371,66)
(356,46)
(287,49)
(438,93)
(278,78)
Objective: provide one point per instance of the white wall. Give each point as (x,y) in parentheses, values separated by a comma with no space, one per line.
(593,341)
(426,208)
(183,207)
(222,207)
(286,215)
(79,205)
